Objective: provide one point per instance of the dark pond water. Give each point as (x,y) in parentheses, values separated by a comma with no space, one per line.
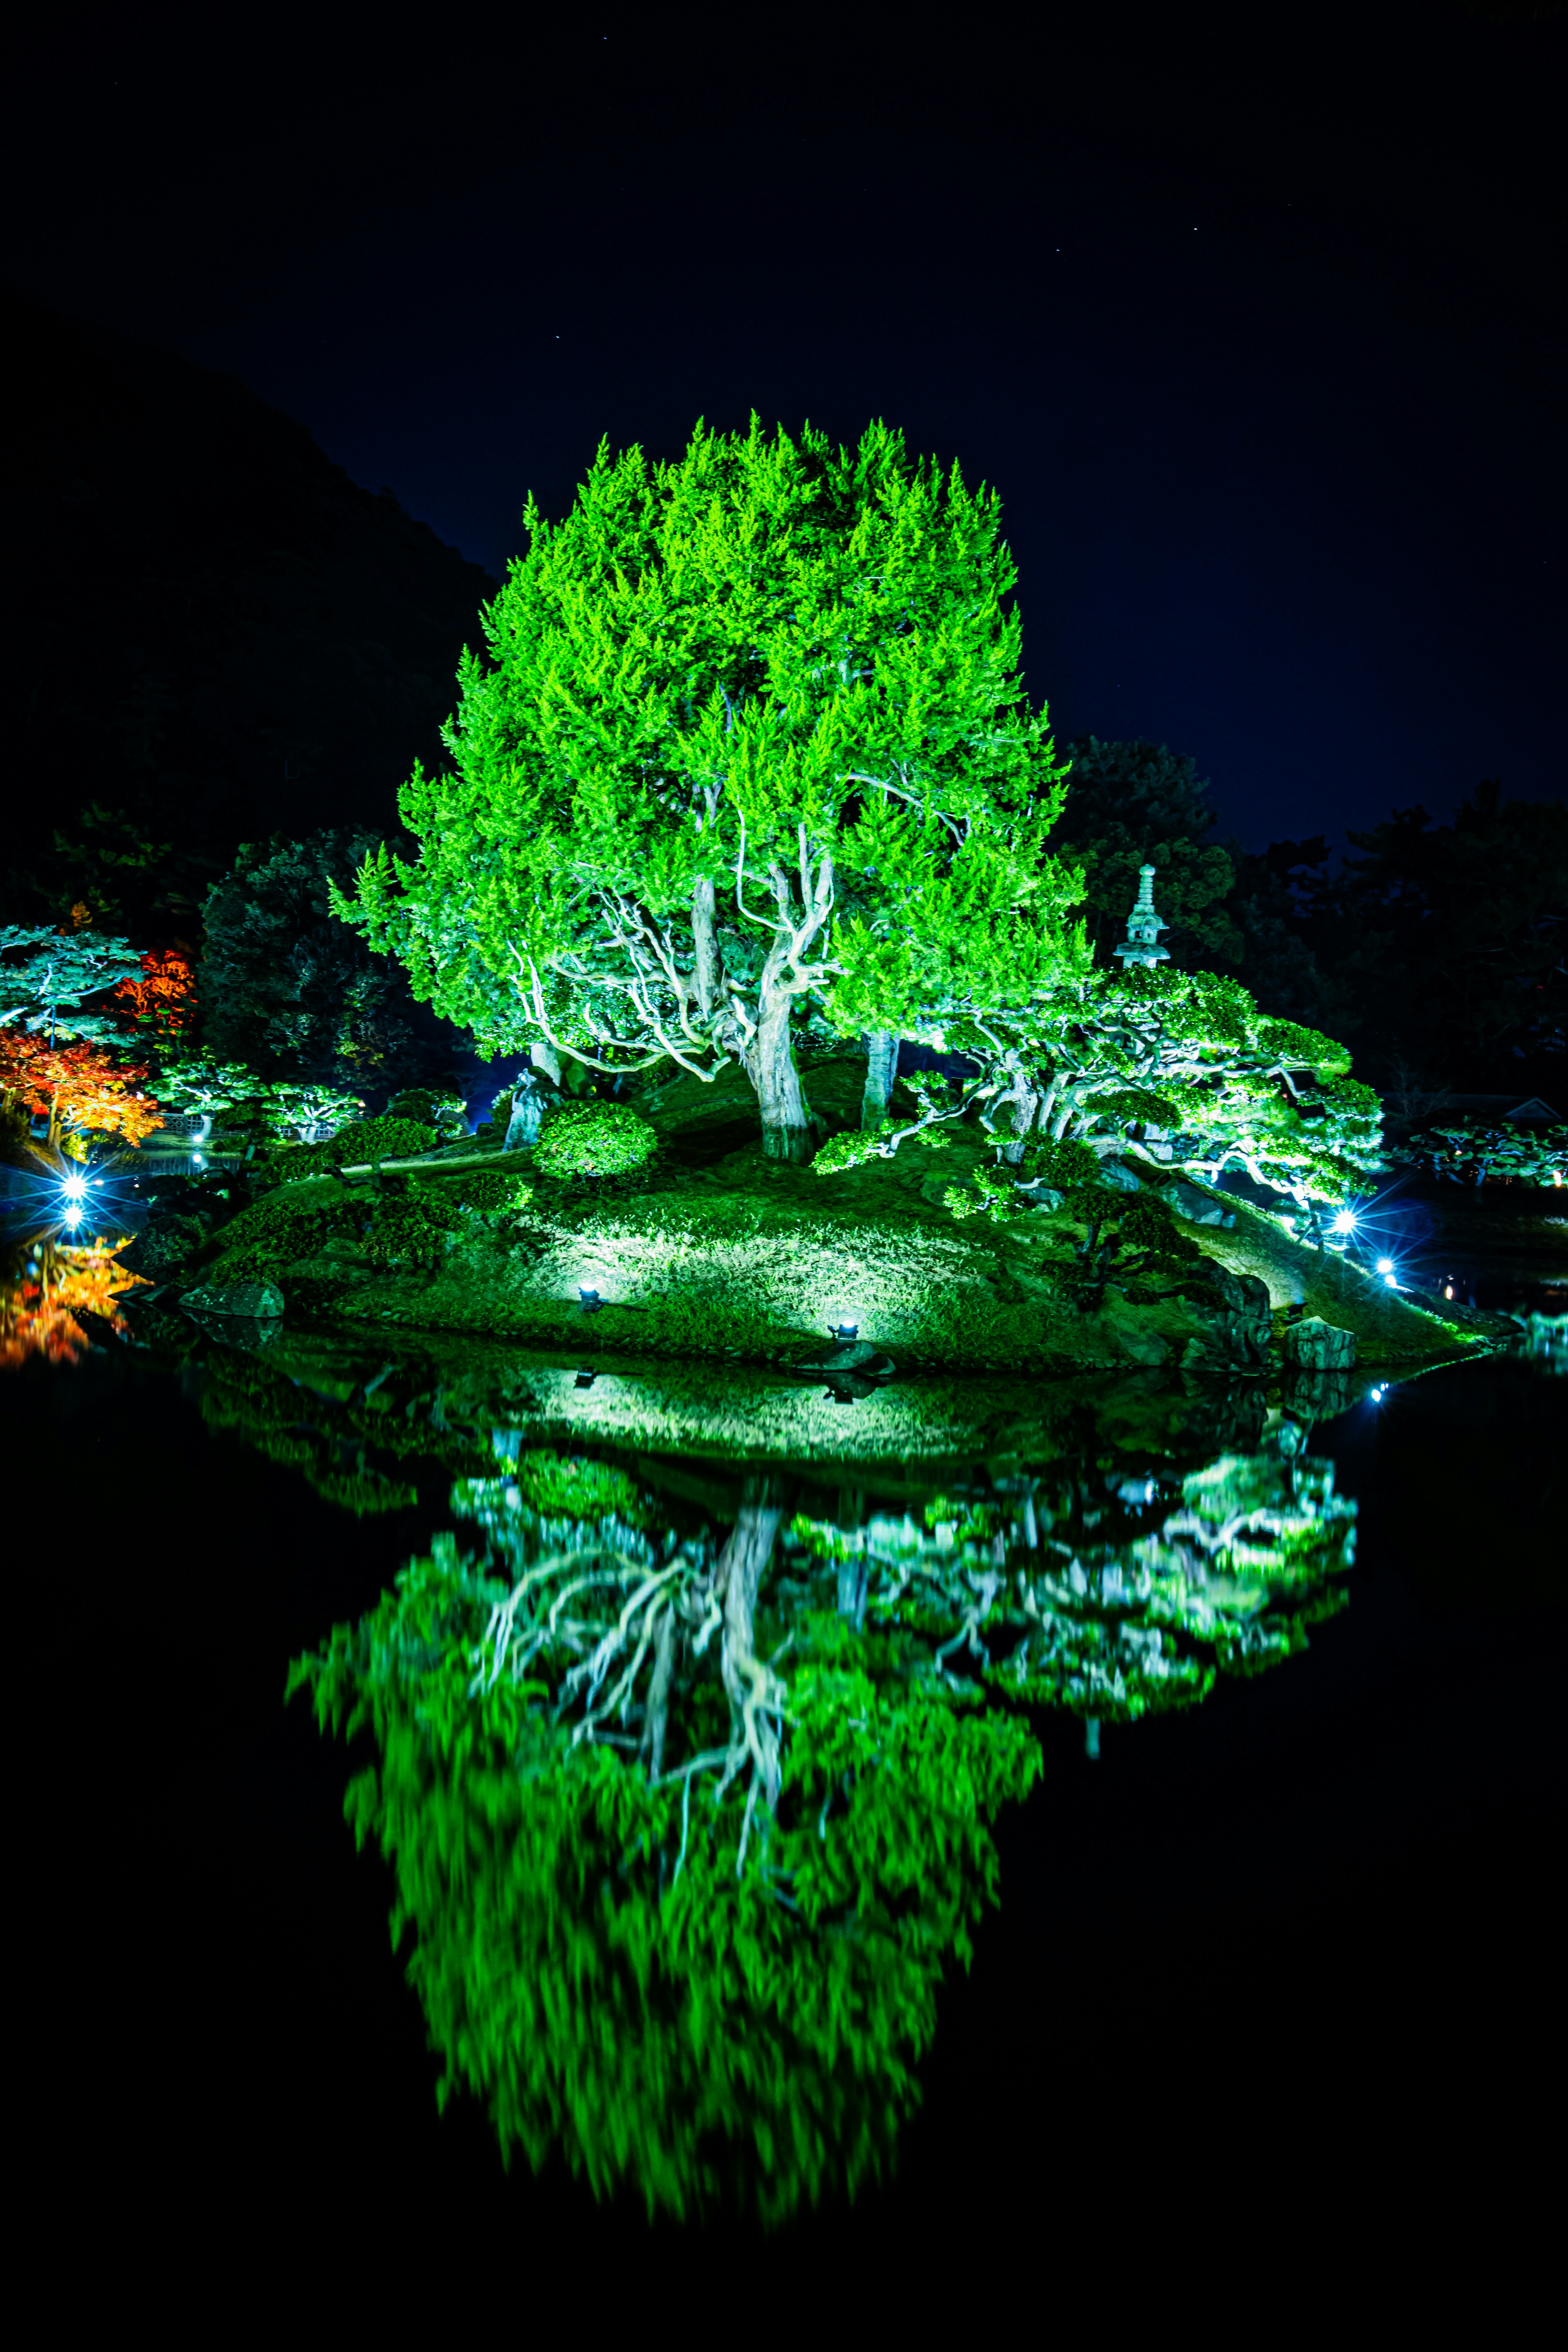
(1306,1899)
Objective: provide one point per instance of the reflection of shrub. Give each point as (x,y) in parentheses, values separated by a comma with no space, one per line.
(355,1146)
(594,1139)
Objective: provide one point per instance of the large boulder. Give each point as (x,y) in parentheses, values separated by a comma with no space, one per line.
(1119,1177)
(1197,1208)
(1239,1326)
(1319,1346)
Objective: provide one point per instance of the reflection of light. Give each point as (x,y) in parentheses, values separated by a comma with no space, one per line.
(1389,1280)
(1447,1290)
(73,1215)
(1345,1222)
(196,1159)
(1385,1265)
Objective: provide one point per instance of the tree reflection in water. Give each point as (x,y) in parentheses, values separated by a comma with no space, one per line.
(48,1284)
(685,1830)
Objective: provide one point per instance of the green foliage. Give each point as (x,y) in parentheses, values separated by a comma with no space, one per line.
(285,1228)
(1472,1152)
(599,1956)
(1451,937)
(46,976)
(493,1192)
(594,1139)
(200,1082)
(1131,1235)
(751,731)
(561,1486)
(412,1229)
(440,1107)
(1131,805)
(359,1145)
(314,1104)
(1179,1069)
(288,990)
(1063,1164)
(996,1197)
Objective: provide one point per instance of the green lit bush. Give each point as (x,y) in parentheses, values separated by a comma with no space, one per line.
(594,1139)
(356,1145)
(284,1229)
(435,1106)
(411,1231)
(492,1191)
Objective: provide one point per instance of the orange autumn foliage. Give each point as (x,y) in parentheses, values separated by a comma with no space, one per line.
(38,1309)
(75,1086)
(163,1001)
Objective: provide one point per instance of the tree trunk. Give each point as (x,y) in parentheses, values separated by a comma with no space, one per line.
(543,1057)
(786,1121)
(705,972)
(881,1069)
(1023,1109)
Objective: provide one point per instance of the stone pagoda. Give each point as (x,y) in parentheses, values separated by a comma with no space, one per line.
(1142,944)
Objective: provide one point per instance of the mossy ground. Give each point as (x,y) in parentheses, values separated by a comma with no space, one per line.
(715,1251)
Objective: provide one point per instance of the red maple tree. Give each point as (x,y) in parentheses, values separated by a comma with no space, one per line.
(74,1086)
(162,1003)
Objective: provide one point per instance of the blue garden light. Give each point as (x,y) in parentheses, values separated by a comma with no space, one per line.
(1345,1222)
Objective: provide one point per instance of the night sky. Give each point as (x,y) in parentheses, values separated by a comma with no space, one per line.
(1254,318)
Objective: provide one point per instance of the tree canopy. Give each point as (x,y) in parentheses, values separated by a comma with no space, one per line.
(751,731)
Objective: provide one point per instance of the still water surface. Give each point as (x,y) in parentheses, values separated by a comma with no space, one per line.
(1244,1708)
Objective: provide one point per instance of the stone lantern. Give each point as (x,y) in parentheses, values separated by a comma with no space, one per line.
(1142,944)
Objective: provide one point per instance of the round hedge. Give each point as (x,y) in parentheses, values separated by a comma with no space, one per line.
(359,1143)
(594,1139)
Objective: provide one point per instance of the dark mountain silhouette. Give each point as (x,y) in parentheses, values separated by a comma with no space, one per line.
(210,634)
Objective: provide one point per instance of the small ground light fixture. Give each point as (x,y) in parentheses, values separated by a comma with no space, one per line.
(75,1186)
(585,1379)
(1345,1222)
(589,1298)
(847,1330)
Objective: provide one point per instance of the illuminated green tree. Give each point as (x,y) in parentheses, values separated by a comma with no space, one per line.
(46,976)
(751,732)
(1180,1072)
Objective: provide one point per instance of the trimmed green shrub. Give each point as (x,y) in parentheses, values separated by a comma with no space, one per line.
(282,1229)
(594,1139)
(493,1192)
(355,1146)
(438,1106)
(411,1230)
